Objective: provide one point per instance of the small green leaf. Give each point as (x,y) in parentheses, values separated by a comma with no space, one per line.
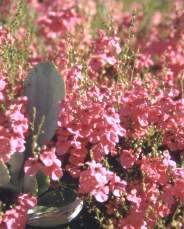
(4,174)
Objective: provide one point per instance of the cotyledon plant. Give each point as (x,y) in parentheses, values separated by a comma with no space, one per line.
(45,89)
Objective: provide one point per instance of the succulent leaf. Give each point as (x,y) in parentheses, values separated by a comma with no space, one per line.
(42,216)
(45,89)
(15,164)
(4,175)
(30,185)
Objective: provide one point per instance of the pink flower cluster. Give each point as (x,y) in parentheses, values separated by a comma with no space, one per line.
(95,122)
(13,129)
(2,87)
(140,109)
(47,162)
(120,134)
(16,217)
(105,52)
(57,19)
(99,182)
(18,124)
(149,203)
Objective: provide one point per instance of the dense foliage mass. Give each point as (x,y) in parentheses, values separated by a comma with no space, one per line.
(120,137)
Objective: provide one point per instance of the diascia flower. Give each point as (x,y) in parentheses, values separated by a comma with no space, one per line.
(18,122)
(59,19)
(99,182)
(47,162)
(127,158)
(2,87)
(52,165)
(106,51)
(13,129)
(155,170)
(132,197)
(116,185)
(5,147)
(94,180)
(94,121)
(16,217)
(32,166)
(143,62)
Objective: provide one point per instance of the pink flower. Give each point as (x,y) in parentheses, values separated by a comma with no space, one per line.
(94,180)
(19,124)
(99,182)
(167,160)
(27,201)
(16,217)
(127,158)
(5,147)
(51,164)
(106,51)
(32,166)
(87,182)
(116,185)
(143,61)
(58,20)
(2,87)
(16,114)
(101,193)
(94,123)
(132,197)
(47,162)
(155,170)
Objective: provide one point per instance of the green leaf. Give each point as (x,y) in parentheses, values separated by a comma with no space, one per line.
(45,89)
(30,185)
(15,164)
(4,175)
(43,182)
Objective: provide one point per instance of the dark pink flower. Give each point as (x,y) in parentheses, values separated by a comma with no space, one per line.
(127,158)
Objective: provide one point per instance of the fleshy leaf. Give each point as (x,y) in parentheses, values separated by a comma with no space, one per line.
(4,175)
(45,89)
(16,163)
(54,210)
(42,216)
(30,185)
